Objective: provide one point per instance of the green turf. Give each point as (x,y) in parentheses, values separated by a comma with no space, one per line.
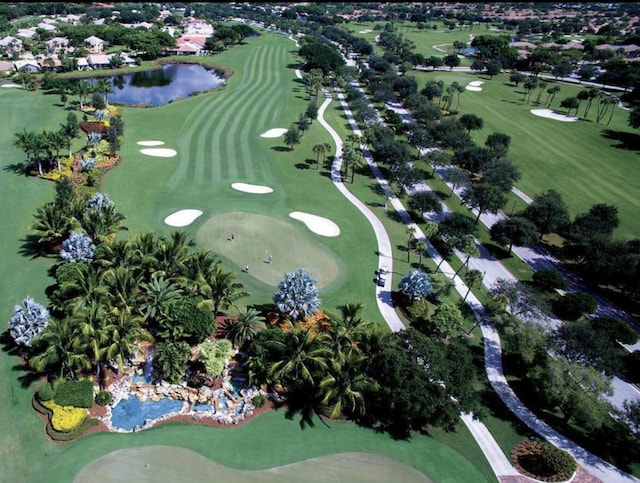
(170,463)
(271,441)
(207,131)
(257,236)
(577,159)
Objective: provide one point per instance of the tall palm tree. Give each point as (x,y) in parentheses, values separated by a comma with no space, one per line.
(199,267)
(26,140)
(469,248)
(91,322)
(318,149)
(123,333)
(143,249)
(59,352)
(421,248)
(410,231)
(70,131)
(303,356)
(83,88)
(552,91)
(104,87)
(245,327)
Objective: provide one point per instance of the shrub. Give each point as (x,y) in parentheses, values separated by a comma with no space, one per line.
(78,394)
(555,460)
(172,359)
(198,322)
(87,164)
(548,280)
(103,398)
(223,348)
(574,305)
(46,392)
(210,356)
(298,295)
(259,401)
(65,418)
(68,272)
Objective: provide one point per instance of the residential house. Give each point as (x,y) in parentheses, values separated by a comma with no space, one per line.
(52,63)
(71,19)
(26,33)
(98,61)
(57,45)
(82,63)
(46,26)
(10,44)
(197,26)
(96,45)
(6,67)
(27,65)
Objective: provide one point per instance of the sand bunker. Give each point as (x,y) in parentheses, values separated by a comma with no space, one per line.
(317,224)
(11,85)
(473,88)
(476,83)
(182,217)
(150,143)
(366,31)
(159,152)
(252,188)
(273,133)
(549,114)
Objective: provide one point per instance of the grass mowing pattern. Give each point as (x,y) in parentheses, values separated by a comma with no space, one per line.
(170,463)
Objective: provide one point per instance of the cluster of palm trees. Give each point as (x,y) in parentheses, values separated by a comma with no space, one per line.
(84,89)
(322,372)
(45,146)
(102,310)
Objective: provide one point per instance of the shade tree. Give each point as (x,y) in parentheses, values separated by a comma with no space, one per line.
(484,197)
(514,231)
(548,212)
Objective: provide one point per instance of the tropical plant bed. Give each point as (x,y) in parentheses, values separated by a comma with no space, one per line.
(529,459)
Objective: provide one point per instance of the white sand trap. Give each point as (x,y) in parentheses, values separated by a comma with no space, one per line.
(252,188)
(11,85)
(317,224)
(473,88)
(476,83)
(159,152)
(182,217)
(274,133)
(549,114)
(150,143)
(366,31)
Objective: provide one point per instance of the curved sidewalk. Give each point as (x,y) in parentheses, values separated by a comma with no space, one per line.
(493,352)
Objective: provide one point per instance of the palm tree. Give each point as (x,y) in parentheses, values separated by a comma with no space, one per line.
(469,248)
(410,231)
(26,140)
(155,297)
(471,278)
(104,87)
(172,253)
(84,288)
(344,384)
(421,248)
(57,341)
(91,320)
(71,131)
(541,87)
(245,327)
(302,355)
(52,225)
(223,289)
(552,91)
(143,252)
(116,254)
(102,224)
(318,149)
(83,88)
(123,289)
(123,333)
(199,267)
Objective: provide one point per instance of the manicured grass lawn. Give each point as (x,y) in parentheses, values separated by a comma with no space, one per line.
(217,139)
(270,441)
(581,160)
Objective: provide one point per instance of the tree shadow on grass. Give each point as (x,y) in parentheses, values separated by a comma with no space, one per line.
(625,140)
(280,149)
(30,247)
(304,165)
(16,168)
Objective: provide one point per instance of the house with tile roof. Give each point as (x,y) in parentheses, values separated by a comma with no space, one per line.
(96,44)
(98,61)
(10,44)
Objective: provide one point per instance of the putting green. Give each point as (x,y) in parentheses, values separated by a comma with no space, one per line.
(257,236)
(171,463)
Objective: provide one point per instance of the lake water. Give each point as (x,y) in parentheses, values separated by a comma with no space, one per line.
(161,86)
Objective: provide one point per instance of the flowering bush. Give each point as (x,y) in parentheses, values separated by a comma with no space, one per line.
(416,285)
(65,418)
(99,201)
(28,321)
(66,165)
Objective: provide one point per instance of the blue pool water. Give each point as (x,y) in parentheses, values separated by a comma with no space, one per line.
(142,378)
(129,413)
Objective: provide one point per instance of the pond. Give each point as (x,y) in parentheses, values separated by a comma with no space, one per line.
(161,86)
